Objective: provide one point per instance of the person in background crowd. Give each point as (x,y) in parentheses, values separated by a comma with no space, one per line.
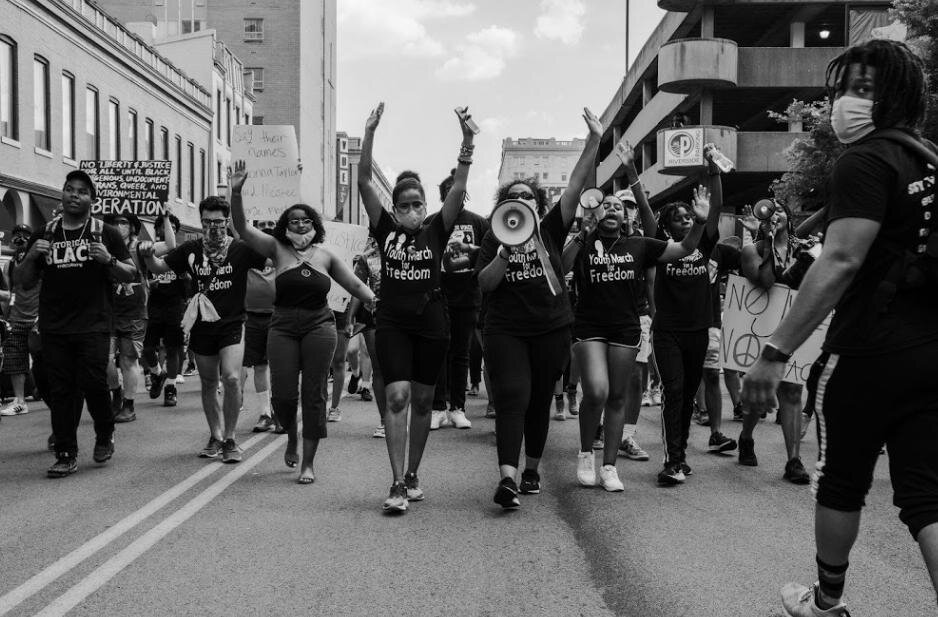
(165,308)
(877,272)
(77,257)
(259,306)
(338,365)
(218,264)
(367,268)
(526,338)
(21,343)
(412,325)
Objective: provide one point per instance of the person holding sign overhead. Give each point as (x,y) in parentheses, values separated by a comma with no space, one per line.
(302,333)
(412,323)
(526,335)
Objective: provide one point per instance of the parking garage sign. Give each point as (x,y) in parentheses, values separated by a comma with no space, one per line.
(683,147)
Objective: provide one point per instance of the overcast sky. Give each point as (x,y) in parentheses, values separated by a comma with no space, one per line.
(526,68)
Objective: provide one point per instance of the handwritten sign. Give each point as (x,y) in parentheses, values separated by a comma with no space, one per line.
(750,317)
(346,241)
(129,187)
(271,155)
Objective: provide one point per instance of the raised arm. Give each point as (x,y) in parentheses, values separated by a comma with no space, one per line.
(457,194)
(716,194)
(259,241)
(581,171)
(155,264)
(365,188)
(168,242)
(701,207)
(626,154)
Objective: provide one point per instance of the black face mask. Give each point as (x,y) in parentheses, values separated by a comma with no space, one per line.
(268,230)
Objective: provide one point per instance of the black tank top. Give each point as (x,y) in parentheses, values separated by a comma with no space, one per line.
(302,286)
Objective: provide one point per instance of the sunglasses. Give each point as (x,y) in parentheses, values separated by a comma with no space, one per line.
(214,223)
(528,195)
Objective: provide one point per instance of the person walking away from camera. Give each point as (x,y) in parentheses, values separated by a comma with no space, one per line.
(878,272)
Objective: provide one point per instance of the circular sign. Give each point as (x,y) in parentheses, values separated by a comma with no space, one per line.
(681,143)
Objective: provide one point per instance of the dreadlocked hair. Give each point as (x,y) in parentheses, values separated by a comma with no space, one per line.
(665,214)
(407,180)
(899,86)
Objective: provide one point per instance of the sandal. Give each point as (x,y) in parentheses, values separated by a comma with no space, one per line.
(306,479)
(291,459)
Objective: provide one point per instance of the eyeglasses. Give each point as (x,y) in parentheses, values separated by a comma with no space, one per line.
(300,222)
(214,223)
(528,195)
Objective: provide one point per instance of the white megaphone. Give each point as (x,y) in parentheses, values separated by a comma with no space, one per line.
(590,199)
(513,222)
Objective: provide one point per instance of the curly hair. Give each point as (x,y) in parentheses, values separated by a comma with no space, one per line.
(665,214)
(407,180)
(540,195)
(280,229)
(215,203)
(173,220)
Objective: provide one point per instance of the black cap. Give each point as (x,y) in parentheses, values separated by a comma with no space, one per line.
(82,176)
(23,227)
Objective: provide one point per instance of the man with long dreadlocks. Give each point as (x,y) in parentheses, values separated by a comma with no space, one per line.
(879,269)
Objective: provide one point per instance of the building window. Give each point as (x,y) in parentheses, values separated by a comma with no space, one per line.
(237,115)
(132,132)
(258,77)
(217,172)
(343,161)
(228,121)
(202,173)
(258,120)
(191,25)
(247,119)
(544,176)
(178,166)
(68,115)
(92,124)
(218,115)
(8,124)
(148,139)
(253,29)
(113,127)
(563,177)
(41,112)
(164,141)
(191,152)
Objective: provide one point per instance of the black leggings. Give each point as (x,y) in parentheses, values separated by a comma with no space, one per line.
(680,357)
(522,372)
(451,382)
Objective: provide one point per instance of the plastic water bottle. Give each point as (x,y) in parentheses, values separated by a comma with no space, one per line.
(720,160)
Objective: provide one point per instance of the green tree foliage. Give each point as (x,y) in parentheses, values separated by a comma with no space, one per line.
(921,19)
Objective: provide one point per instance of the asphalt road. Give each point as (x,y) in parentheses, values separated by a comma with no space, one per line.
(158,531)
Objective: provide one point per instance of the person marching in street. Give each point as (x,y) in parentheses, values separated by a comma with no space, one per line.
(412,323)
(259,307)
(214,318)
(526,335)
(302,334)
(77,257)
(878,272)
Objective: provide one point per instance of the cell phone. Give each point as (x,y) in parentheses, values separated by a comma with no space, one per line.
(461,112)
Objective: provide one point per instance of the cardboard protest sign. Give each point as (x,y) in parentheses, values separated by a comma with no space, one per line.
(750,317)
(346,241)
(129,187)
(271,155)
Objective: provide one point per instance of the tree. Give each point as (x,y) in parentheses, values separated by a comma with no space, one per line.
(921,19)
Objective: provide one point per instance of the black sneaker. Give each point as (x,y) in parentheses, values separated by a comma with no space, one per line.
(530,482)
(103,450)
(721,443)
(397,499)
(738,412)
(365,394)
(126,414)
(353,384)
(169,396)
(156,385)
(65,465)
(412,486)
(686,469)
(50,443)
(701,417)
(212,449)
(671,475)
(506,495)
(796,473)
(747,452)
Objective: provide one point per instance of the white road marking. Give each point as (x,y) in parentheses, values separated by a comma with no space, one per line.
(109,569)
(37,583)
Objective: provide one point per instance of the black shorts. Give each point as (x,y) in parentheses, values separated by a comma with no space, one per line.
(405,356)
(165,324)
(16,348)
(366,318)
(255,339)
(206,339)
(629,336)
(859,409)
(340,320)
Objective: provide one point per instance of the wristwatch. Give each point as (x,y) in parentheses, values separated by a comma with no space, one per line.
(112,262)
(773,354)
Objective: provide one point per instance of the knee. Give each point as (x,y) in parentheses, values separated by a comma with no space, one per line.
(595,395)
(397,401)
(231,380)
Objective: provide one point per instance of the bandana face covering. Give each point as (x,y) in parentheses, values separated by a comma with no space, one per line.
(215,245)
(852,118)
(301,241)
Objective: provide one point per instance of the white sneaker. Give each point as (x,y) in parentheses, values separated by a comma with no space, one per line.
(334,415)
(609,479)
(656,396)
(572,404)
(559,405)
(646,399)
(459,419)
(379,432)
(586,469)
(16,408)
(436,419)
(798,601)
(180,379)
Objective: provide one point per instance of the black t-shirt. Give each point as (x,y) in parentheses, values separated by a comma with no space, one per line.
(682,291)
(522,304)
(411,298)
(166,288)
(224,284)
(880,180)
(130,299)
(723,260)
(610,277)
(460,286)
(76,295)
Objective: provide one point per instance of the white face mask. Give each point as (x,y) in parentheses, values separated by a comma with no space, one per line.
(852,118)
(301,241)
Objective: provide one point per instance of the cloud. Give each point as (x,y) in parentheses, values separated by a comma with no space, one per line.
(561,20)
(370,28)
(482,56)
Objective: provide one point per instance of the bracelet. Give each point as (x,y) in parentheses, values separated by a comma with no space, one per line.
(465,151)
(464,160)
(634,184)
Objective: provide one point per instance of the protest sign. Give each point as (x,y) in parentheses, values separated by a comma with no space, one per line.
(272,157)
(129,187)
(750,317)
(346,241)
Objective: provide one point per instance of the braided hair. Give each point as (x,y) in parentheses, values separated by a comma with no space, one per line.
(665,214)
(899,87)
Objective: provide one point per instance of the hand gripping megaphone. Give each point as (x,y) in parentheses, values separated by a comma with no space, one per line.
(764,209)
(513,222)
(590,199)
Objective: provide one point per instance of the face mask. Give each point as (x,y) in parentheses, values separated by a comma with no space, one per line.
(268,230)
(852,118)
(301,241)
(215,236)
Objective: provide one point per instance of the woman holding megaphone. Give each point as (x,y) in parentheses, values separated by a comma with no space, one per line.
(412,323)
(526,334)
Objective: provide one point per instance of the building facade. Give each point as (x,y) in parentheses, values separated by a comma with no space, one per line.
(547,159)
(354,208)
(289,50)
(715,70)
(75,84)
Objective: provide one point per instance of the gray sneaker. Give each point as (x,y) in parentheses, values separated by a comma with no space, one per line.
(231,452)
(212,449)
